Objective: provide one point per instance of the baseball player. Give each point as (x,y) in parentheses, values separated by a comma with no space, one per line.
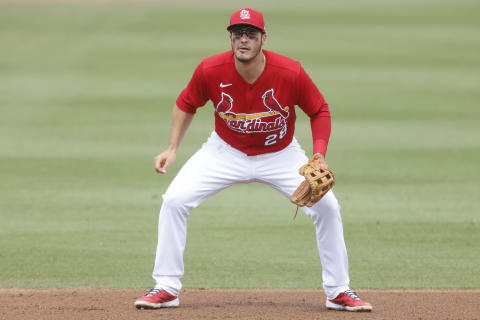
(254,94)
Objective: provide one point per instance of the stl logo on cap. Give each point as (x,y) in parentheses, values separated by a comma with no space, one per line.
(244,14)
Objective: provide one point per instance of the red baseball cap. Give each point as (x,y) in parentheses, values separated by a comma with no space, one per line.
(247,16)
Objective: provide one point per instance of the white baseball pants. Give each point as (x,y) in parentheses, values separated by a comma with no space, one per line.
(216,166)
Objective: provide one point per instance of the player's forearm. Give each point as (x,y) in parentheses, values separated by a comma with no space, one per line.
(321,127)
(180,122)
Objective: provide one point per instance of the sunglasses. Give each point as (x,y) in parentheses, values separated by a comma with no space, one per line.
(251,33)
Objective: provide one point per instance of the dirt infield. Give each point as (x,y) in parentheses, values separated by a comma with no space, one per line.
(234,304)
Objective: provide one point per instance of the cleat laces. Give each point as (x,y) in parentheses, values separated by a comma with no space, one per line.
(152,292)
(352,294)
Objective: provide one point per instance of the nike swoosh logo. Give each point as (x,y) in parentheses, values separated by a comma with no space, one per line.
(225,85)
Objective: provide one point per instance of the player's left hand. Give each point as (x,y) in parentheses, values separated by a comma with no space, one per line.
(321,160)
(318,181)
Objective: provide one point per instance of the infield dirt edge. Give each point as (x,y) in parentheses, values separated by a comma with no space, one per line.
(84,303)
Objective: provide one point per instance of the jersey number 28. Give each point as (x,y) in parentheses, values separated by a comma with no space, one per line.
(272,139)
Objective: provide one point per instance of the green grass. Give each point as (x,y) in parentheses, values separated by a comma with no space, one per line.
(86,92)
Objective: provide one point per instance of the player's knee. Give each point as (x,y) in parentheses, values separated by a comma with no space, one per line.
(178,202)
(331,206)
(173,201)
(324,209)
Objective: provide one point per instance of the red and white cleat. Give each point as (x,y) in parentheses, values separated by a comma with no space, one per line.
(157,298)
(348,301)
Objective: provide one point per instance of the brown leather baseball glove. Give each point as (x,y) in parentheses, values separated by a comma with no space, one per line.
(318,180)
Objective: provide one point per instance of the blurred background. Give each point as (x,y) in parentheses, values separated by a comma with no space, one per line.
(86,92)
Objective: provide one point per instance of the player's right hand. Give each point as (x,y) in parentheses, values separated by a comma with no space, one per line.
(164,160)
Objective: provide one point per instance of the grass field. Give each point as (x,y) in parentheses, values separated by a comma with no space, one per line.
(86,92)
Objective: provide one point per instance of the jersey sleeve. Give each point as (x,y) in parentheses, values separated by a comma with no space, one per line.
(312,102)
(195,94)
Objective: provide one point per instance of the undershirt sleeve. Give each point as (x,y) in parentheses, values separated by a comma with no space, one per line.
(195,94)
(312,102)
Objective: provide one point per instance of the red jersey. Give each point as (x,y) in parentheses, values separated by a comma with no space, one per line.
(259,117)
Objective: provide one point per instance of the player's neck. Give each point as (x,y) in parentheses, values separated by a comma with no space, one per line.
(250,71)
